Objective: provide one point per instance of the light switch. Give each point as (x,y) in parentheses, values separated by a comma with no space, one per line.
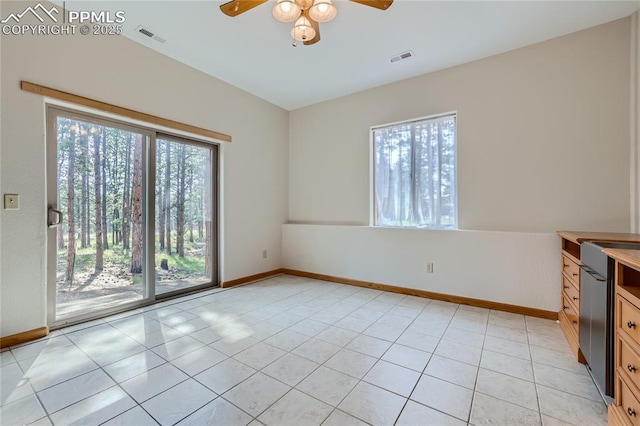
(11,202)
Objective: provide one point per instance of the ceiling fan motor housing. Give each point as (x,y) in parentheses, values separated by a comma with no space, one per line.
(305,13)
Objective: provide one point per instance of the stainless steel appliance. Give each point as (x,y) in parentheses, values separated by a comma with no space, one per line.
(597,300)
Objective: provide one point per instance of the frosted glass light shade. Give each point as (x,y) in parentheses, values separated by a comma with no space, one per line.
(302,30)
(322,11)
(286,11)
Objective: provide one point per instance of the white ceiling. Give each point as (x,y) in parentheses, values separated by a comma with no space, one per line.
(253,51)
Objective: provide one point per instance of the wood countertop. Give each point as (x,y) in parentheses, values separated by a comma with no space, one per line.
(610,237)
(628,257)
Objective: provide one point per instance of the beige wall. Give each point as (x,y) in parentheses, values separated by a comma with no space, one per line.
(543,144)
(119,71)
(517,268)
(543,138)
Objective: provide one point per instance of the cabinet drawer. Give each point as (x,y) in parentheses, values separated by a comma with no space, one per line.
(616,417)
(572,315)
(629,319)
(629,362)
(571,292)
(571,269)
(571,336)
(629,404)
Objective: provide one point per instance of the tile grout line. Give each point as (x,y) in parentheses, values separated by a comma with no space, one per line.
(475,382)
(426,365)
(257,371)
(311,290)
(317,368)
(533,372)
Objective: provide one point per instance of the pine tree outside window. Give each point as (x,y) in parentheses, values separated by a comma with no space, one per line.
(414,172)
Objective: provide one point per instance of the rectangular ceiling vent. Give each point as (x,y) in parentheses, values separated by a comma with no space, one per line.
(150,34)
(404,55)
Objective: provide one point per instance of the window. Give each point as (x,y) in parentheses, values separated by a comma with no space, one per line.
(126,230)
(415,173)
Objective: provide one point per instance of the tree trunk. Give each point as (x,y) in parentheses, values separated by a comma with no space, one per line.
(59,230)
(167,197)
(201,202)
(97,185)
(103,166)
(416,165)
(439,185)
(84,191)
(136,216)
(71,239)
(208,214)
(87,201)
(116,223)
(191,209)
(388,201)
(115,226)
(60,236)
(401,184)
(161,218)
(180,198)
(160,202)
(126,196)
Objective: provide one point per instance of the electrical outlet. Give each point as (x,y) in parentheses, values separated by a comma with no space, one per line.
(430,267)
(11,202)
(264,254)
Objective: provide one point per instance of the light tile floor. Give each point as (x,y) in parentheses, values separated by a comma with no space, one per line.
(295,351)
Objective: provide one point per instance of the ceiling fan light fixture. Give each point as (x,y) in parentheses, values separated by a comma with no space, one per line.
(286,11)
(322,11)
(302,30)
(305,13)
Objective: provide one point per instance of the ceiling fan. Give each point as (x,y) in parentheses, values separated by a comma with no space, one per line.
(306,14)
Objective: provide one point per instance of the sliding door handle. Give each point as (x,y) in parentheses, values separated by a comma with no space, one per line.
(54,218)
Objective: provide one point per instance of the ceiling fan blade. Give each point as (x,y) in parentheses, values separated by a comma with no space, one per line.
(378,4)
(316,27)
(236,7)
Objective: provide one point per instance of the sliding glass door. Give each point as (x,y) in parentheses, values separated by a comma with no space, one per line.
(124,230)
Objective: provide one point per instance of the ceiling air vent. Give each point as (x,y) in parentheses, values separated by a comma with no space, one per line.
(404,55)
(150,34)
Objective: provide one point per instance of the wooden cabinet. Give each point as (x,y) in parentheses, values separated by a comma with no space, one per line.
(628,362)
(571,292)
(625,410)
(628,318)
(569,315)
(571,268)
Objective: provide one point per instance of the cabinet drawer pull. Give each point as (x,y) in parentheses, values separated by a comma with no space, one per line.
(575,321)
(566,307)
(564,265)
(565,287)
(631,412)
(631,368)
(631,324)
(575,298)
(574,274)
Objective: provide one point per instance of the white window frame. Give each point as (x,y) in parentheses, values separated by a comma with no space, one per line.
(372,172)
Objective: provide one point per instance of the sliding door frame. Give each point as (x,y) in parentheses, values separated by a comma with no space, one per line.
(150,134)
(215,176)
